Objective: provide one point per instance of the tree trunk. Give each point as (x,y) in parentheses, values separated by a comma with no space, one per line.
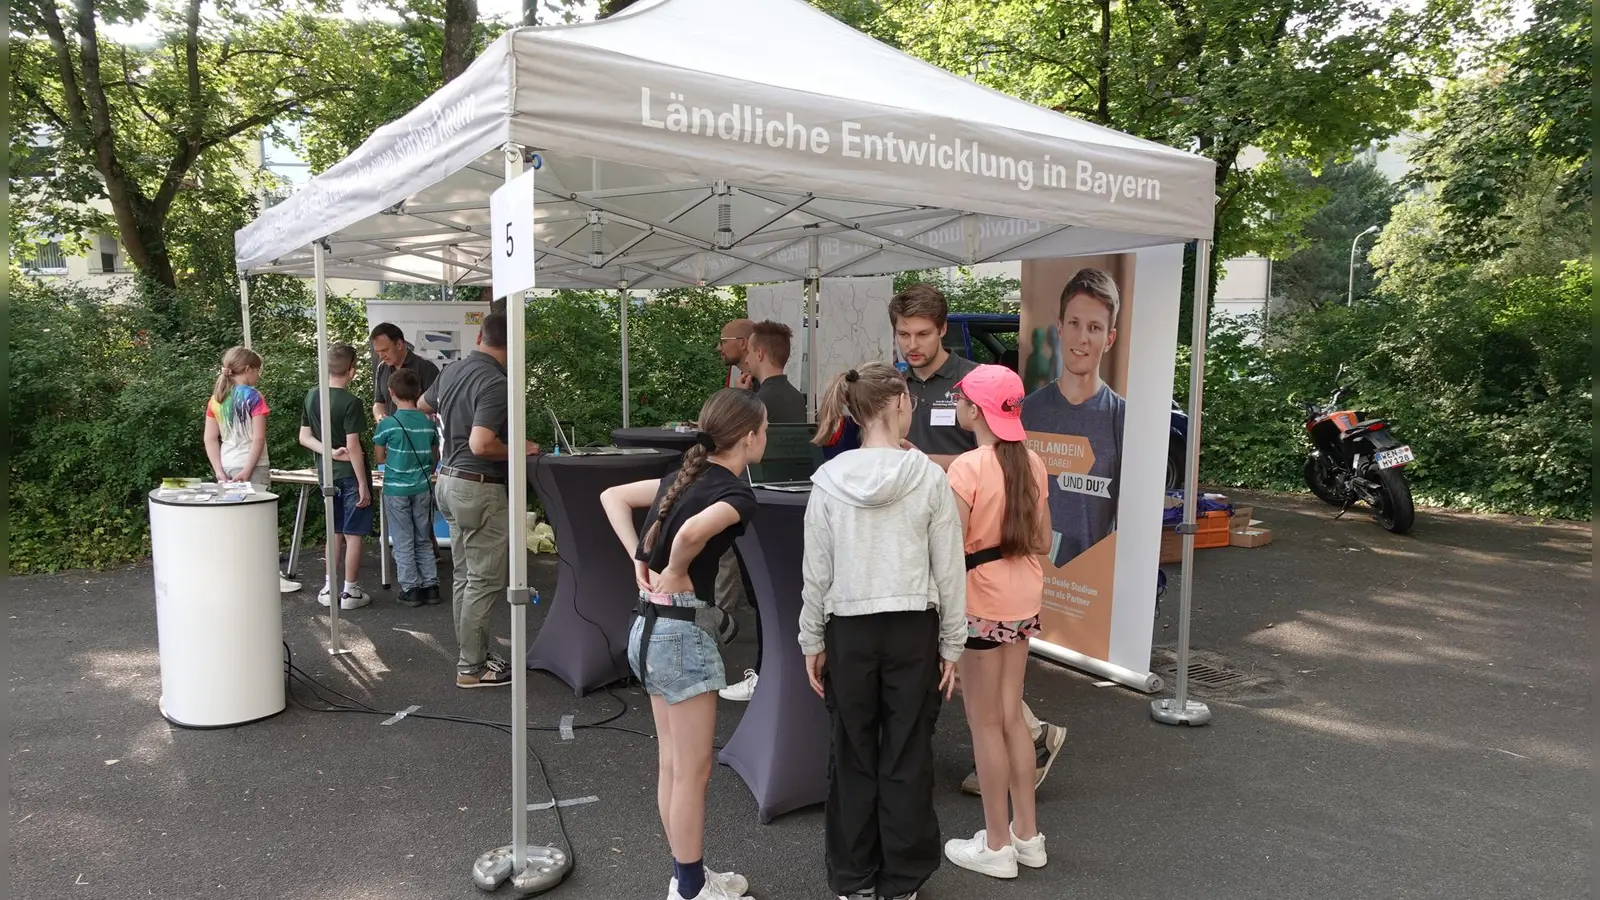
(1102,105)
(460,18)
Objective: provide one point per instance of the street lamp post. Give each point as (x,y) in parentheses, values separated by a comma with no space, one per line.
(1350,292)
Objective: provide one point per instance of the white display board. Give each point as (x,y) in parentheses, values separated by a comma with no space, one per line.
(853,322)
(441,331)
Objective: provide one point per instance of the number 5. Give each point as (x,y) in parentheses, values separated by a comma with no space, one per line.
(511,244)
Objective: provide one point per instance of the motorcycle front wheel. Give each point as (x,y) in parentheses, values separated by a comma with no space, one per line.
(1394,510)
(1316,476)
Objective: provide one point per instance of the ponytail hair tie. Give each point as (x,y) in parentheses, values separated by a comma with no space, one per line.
(852,376)
(706,441)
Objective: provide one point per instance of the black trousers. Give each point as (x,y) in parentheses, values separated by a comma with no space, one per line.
(882,686)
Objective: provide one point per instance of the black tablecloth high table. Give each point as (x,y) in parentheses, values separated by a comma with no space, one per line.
(660,438)
(584,638)
(781,746)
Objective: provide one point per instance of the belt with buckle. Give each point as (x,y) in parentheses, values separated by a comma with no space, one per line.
(478,477)
(649,612)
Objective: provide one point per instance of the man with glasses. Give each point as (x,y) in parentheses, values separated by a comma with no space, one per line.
(734,346)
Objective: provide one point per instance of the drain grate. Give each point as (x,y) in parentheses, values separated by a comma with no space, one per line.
(1212,676)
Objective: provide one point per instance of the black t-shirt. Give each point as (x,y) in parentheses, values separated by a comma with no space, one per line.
(715,485)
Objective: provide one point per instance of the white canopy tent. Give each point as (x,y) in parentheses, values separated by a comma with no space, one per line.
(720,142)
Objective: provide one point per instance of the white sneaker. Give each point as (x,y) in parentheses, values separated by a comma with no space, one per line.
(732,884)
(1030,853)
(715,888)
(285,586)
(742,691)
(355,598)
(974,854)
(323,596)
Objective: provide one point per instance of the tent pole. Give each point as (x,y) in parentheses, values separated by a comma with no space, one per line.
(622,316)
(517,589)
(538,868)
(813,284)
(244,308)
(333,557)
(1180,710)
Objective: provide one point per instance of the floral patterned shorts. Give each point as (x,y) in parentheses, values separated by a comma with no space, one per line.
(987,634)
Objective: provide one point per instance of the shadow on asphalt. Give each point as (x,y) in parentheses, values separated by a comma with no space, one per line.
(1415,726)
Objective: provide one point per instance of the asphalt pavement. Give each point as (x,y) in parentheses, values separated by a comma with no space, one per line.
(1394,717)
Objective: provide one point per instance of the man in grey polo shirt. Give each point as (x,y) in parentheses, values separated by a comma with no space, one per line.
(920,317)
(390,347)
(470,399)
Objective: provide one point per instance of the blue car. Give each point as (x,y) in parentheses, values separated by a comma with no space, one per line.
(992,338)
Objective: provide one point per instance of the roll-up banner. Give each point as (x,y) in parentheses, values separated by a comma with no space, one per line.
(1096,344)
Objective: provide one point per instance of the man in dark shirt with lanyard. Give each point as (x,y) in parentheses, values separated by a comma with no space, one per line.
(470,399)
(390,347)
(920,317)
(393,353)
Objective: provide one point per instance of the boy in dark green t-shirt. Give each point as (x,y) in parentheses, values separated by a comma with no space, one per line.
(406,444)
(352,502)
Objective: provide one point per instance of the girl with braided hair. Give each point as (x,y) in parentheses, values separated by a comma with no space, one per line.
(884,621)
(694,516)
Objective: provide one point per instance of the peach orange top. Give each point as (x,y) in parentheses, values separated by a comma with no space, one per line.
(1007,590)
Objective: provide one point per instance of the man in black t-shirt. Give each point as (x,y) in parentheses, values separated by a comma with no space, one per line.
(770,346)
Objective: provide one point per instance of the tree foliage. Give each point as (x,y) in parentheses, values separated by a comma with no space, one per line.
(1528,116)
(1297,79)
(1351,197)
(1488,383)
(155,132)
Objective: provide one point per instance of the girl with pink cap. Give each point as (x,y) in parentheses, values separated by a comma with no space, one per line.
(1001,496)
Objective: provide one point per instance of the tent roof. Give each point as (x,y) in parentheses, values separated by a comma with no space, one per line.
(705,141)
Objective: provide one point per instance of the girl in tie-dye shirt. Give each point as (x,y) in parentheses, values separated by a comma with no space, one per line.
(236,421)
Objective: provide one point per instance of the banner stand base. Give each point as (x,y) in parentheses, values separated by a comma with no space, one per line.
(1145,682)
(1168,712)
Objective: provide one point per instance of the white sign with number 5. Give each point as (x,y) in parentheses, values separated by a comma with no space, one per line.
(511,235)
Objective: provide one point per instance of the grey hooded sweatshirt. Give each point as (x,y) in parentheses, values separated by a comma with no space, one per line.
(883,535)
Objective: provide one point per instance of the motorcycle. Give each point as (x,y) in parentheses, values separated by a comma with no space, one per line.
(1355,459)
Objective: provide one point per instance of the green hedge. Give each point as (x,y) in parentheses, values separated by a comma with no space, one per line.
(1488,383)
(106,400)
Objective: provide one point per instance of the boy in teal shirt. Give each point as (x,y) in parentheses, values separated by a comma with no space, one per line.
(406,443)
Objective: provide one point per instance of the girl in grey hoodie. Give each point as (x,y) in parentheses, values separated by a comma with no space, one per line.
(883,623)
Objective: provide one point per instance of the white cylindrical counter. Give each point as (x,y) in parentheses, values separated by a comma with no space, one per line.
(218,613)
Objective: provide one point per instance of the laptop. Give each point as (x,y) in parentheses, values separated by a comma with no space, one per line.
(790,461)
(564,443)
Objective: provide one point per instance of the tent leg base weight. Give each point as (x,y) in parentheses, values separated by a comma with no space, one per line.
(543,868)
(1168,712)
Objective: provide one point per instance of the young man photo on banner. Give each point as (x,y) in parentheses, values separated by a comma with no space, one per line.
(1076,424)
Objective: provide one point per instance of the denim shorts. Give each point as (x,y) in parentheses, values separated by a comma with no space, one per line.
(348,518)
(684,660)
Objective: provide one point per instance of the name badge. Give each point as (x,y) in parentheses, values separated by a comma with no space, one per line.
(942,415)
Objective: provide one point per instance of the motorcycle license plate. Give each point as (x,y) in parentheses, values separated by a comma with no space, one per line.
(1399,456)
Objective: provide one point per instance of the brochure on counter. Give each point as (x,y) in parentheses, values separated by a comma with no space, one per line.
(193,490)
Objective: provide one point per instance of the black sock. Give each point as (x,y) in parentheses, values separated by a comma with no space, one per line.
(691,878)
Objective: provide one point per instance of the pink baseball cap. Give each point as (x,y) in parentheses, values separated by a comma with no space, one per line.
(998,392)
